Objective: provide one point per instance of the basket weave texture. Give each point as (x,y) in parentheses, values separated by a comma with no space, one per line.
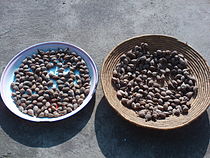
(198,68)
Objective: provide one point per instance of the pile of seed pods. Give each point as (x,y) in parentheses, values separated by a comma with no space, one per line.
(155,84)
(51,83)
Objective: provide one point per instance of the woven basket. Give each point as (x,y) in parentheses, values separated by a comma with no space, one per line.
(197,65)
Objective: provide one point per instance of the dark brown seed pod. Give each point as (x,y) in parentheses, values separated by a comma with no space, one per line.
(189,94)
(185,108)
(124,101)
(162,115)
(142,113)
(87,91)
(148,116)
(119,94)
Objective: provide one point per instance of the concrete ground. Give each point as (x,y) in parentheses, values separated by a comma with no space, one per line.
(97,26)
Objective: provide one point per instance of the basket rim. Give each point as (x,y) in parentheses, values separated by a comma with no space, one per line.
(145,125)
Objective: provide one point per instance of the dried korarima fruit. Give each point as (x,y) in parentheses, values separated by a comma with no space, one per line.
(154,84)
(34,89)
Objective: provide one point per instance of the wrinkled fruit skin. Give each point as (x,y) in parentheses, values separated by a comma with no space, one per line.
(156,84)
(34,89)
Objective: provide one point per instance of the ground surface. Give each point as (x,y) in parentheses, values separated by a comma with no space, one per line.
(97,26)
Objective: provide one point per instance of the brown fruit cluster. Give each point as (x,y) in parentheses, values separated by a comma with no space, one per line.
(51,84)
(155,84)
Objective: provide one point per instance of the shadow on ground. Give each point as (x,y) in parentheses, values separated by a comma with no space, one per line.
(118,138)
(43,134)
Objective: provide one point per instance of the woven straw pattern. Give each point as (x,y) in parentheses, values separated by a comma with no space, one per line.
(197,65)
